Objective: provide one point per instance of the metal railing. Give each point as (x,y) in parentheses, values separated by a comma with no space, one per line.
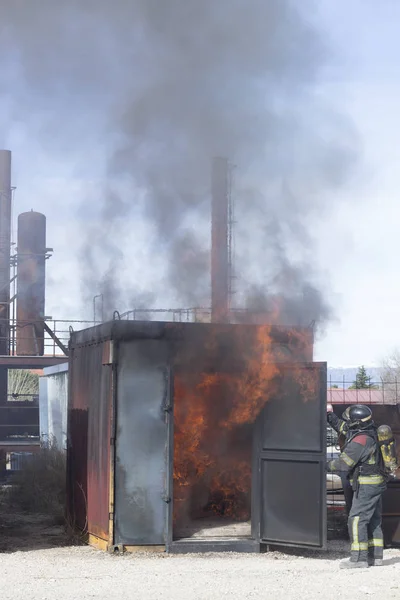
(180,315)
(53,338)
(201,314)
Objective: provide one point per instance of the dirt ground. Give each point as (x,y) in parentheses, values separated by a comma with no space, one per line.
(24,532)
(35,563)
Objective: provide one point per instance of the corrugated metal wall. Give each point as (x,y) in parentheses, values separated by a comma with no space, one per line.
(89,432)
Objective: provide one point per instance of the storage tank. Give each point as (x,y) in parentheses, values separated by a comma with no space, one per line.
(31,283)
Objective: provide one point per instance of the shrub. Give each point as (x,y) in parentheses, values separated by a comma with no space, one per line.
(40,486)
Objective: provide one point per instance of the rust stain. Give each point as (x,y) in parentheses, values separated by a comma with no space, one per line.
(89,441)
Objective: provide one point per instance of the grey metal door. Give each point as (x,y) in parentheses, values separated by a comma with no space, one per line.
(289,481)
(141,466)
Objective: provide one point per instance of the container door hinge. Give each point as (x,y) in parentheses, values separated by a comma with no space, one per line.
(168,409)
(112,441)
(166,499)
(108,357)
(111,516)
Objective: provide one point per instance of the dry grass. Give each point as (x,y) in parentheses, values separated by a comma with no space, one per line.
(40,486)
(74,537)
(33,508)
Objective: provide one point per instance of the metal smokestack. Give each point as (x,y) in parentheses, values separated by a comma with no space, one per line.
(5,240)
(220,260)
(31,279)
(5,251)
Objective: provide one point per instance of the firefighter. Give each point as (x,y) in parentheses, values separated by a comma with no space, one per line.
(340,426)
(361,459)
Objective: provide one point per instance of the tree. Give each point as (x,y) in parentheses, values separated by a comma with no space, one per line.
(391,376)
(363,381)
(22,384)
(391,366)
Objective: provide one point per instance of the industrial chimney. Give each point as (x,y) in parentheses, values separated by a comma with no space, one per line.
(5,251)
(31,278)
(5,246)
(220,259)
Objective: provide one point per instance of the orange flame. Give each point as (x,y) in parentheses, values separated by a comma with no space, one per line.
(213,418)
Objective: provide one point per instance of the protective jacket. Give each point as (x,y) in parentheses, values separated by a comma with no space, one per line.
(360,457)
(339,425)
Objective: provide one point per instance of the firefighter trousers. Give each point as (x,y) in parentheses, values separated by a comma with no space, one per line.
(347,492)
(365,520)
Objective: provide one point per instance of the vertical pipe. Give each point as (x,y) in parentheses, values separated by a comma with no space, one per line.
(113,436)
(31,283)
(219,241)
(5,245)
(5,251)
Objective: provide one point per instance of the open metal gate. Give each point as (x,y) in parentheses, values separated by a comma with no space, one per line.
(289,481)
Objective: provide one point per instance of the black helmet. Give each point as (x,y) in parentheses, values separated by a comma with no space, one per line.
(360,416)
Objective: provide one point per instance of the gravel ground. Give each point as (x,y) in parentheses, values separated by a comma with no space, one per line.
(36,563)
(81,572)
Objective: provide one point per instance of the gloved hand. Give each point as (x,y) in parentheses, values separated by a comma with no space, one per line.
(329,408)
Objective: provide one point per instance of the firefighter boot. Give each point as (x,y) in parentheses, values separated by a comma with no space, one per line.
(352,564)
(375,562)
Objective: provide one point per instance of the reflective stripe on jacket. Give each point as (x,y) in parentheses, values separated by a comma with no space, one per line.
(361,451)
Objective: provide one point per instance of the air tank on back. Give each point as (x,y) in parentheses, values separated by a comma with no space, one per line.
(31,279)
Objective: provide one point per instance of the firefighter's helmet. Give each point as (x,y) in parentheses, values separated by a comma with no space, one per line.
(359,415)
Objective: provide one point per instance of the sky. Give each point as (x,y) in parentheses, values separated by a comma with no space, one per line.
(354,242)
(358,245)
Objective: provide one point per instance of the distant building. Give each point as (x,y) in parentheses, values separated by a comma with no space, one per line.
(386,395)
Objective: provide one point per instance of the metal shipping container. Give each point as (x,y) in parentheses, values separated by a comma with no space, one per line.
(121,433)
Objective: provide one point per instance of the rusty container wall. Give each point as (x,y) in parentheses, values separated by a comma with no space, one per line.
(89,440)
(31,283)
(5,250)
(219,241)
